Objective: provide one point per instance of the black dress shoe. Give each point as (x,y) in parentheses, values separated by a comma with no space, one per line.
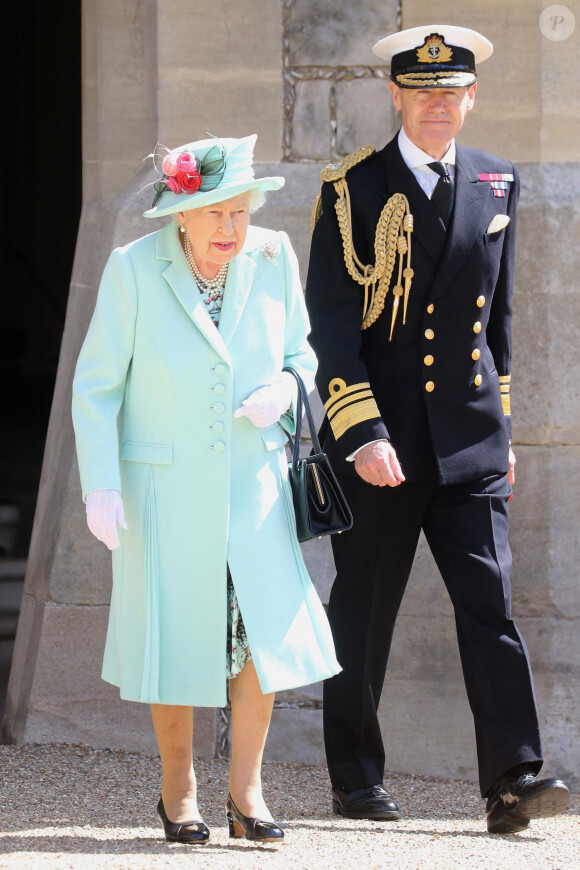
(192,833)
(365,803)
(517,799)
(249,827)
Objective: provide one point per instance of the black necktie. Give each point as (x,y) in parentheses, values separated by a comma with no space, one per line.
(442,197)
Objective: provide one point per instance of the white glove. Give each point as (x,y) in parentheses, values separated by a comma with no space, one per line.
(104,511)
(265,406)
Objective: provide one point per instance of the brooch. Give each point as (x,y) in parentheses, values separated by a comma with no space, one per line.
(271,251)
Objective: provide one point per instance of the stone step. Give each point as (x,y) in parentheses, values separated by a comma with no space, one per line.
(12,573)
(8,623)
(12,569)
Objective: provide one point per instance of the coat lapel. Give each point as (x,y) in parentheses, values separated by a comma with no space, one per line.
(427,228)
(466,223)
(236,293)
(180,279)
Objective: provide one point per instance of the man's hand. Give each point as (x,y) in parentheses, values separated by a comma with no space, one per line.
(377,463)
(512,471)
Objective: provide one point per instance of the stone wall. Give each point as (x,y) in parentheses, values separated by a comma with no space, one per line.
(335,90)
(302,75)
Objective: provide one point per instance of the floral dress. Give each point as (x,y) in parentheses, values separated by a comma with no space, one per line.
(238,650)
(213,301)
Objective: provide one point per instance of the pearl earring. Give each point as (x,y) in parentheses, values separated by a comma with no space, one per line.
(181,229)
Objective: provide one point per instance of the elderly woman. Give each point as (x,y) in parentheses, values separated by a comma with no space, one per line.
(180,406)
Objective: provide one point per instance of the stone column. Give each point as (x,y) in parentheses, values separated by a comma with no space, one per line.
(151,71)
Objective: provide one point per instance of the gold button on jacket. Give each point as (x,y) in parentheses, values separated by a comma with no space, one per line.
(477,327)
(430,386)
(430,308)
(475,353)
(477,381)
(480,301)
(429,359)
(429,334)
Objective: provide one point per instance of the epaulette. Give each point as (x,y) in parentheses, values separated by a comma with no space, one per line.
(392,240)
(336,171)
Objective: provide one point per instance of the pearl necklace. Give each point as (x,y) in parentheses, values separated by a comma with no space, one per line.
(205,285)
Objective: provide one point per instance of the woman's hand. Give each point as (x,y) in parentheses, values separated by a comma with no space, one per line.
(265,406)
(104,511)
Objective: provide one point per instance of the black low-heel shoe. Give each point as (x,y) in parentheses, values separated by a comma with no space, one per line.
(517,799)
(183,832)
(250,828)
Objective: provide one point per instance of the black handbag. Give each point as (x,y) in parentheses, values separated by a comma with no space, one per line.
(319,503)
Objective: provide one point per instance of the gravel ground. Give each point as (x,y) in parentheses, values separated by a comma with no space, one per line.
(64,806)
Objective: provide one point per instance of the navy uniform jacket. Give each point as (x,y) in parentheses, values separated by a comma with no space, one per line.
(439,390)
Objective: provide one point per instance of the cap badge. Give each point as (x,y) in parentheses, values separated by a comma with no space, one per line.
(434,50)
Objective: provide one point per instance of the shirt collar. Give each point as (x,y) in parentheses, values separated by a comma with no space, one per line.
(415,157)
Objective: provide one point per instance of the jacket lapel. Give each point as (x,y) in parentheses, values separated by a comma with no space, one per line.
(236,293)
(179,277)
(427,228)
(466,223)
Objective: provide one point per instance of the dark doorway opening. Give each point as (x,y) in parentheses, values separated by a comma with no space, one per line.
(40,203)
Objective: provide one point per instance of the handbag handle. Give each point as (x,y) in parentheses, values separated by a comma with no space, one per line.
(302,403)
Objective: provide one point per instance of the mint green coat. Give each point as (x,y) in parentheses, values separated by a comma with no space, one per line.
(155,389)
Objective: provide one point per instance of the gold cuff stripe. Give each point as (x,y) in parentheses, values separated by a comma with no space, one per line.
(342,390)
(349,400)
(504,389)
(353,414)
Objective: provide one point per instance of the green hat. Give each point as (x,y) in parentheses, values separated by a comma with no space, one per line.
(205,172)
(434,56)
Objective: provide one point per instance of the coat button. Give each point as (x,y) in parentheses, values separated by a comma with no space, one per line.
(219,389)
(477,380)
(480,301)
(218,426)
(430,308)
(476,353)
(219,446)
(429,334)
(220,369)
(477,327)
(218,408)
(429,359)
(430,386)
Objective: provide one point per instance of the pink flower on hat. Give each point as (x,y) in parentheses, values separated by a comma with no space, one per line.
(169,165)
(186,162)
(172,183)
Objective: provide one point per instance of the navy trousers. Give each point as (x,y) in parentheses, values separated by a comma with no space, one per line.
(466,527)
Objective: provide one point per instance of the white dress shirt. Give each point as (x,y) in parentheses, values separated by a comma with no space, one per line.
(417,161)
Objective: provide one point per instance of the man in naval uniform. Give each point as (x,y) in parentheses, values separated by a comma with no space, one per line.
(410,296)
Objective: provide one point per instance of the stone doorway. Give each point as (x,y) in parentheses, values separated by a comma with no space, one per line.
(40,210)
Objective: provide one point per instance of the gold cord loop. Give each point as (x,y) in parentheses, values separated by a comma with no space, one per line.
(392,237)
